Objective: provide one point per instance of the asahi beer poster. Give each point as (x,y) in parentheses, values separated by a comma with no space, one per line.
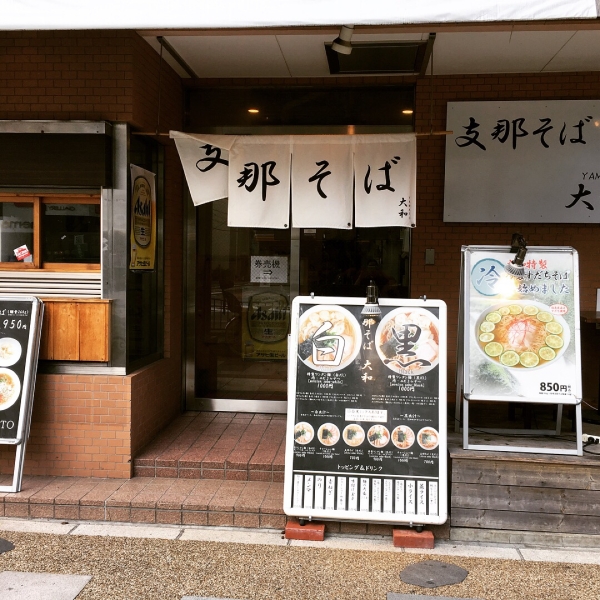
(265,323)
(522,334)
(143,220)
(367,419)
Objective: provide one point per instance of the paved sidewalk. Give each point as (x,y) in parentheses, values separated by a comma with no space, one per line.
(156,561)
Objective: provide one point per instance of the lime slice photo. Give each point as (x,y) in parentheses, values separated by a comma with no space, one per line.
(530,359)
(493,349)
(509,358)
(504,310)
(486,337)
(547,353)
(531,310)
(494,317)
(486,327)
(554,327)
(554,341)
(545,317)
(515,309)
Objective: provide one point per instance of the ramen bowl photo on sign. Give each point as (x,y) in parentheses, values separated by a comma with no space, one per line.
(10,388)
(407,341)
(329,338)
(522,334)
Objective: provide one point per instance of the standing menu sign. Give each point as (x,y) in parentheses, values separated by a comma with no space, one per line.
(521,337)
(20,329)
(366,431)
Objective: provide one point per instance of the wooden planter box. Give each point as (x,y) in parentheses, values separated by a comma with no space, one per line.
(76,329)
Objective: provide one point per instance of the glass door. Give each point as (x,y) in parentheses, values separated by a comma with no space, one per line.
(244,281)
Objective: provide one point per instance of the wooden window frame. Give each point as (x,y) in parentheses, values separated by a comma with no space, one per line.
(38,202)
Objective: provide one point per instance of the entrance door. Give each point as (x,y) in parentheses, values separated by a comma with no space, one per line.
(244,281)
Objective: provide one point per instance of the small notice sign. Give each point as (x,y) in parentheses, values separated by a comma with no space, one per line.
(22,252)
(269,269)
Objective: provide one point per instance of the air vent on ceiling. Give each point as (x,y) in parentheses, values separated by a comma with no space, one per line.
(408,58)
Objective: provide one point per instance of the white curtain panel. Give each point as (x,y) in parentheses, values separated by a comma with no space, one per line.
(322,181)
(259,182)
(385,176)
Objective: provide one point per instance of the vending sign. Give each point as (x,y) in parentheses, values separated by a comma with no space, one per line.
(521,334)
(20,329)
(366,431)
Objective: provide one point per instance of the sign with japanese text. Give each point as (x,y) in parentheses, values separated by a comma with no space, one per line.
(322,182)
(328,176)
(269,269)
(521,335)
(385,181)
(20,330)
(143,220)
(366,431)
(265,322)
(523,162)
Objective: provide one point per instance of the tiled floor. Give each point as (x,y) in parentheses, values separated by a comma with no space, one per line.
(148,500)
(211,445)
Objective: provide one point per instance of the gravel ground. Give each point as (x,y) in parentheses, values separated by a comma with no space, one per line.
(132,569)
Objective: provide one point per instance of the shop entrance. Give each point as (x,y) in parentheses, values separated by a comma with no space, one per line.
(245,280)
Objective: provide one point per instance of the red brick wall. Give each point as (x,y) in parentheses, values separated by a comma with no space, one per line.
(84,425)
(442,279)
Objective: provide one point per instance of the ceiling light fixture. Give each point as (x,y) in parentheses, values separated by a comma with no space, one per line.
(343,43)
(254,111)
(407,111)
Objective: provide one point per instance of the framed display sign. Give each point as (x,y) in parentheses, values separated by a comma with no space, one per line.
(521,336)
(20,329)
(366,429)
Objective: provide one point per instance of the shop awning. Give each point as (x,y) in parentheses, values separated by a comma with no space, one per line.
(183,14)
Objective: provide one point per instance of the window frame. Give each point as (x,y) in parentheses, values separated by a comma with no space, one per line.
(38,201)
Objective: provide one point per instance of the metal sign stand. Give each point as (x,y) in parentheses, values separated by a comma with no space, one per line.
(20,331)
(463,365)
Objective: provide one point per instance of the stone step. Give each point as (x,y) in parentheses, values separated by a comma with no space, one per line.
(213,445)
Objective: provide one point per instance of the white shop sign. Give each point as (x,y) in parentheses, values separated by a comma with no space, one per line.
(523,162)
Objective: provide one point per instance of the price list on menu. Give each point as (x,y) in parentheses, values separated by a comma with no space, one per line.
(366,435)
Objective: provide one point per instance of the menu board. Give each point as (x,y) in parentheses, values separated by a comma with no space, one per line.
(366,431)
(20,320)
(521,335)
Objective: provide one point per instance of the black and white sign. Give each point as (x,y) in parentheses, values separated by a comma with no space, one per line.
(20,329)
(269,269)
(366,432)
(523,162)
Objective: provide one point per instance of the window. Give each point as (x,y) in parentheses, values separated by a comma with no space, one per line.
(57,232)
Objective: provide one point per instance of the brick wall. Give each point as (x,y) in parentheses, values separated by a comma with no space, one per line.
(91,425)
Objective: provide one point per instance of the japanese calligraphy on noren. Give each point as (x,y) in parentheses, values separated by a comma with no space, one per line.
(523,162)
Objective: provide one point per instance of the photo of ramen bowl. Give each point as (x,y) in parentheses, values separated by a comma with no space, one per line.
(329,338)
(354,435)
(328,434)
(407,341)
(378,436)
(303,433)
(428,438)
(521,334)
(10,388)
(10,352)
(403,437)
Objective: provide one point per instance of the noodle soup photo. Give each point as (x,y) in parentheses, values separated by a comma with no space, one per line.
(328,434)
(354,435)
(329,338)
(428,438)
(403,437)
(303,433)
(10,388)
(522,334)
(10,352)
(407,341)
(378,436)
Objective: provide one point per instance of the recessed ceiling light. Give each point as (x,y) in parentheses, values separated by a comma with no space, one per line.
(253,110)
(407,111)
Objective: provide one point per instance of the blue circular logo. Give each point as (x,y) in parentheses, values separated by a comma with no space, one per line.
(485,275)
